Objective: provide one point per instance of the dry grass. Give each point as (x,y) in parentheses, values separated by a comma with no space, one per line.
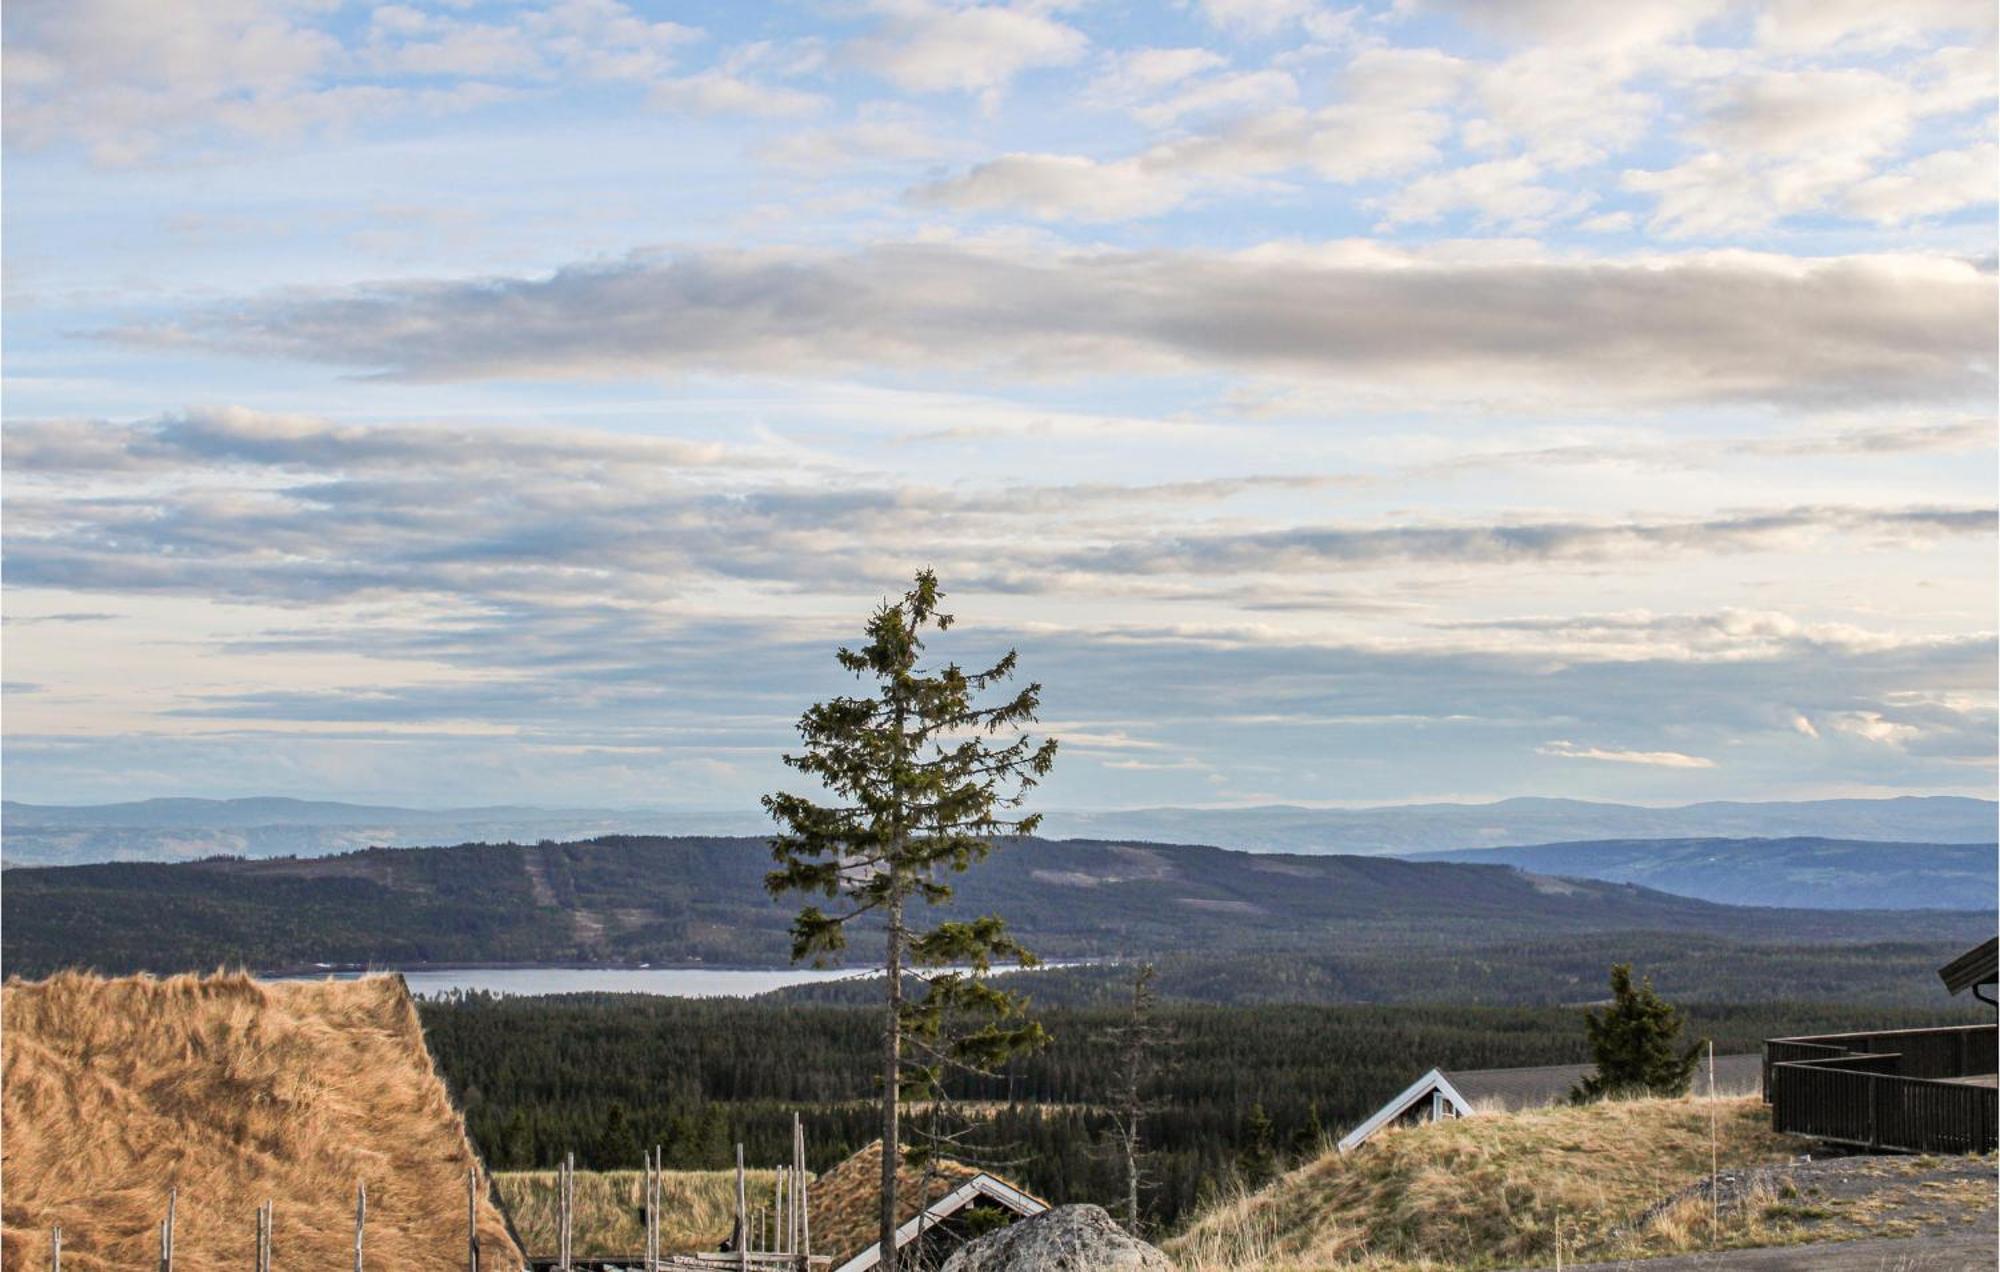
(1480,1192)
(698,1208)
(236,1091)
(846,1201)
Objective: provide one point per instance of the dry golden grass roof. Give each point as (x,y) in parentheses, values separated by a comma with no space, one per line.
(1481,1192)
(236,1091)
(846,1201)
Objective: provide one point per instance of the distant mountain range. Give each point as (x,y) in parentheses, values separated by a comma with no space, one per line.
(628,900)
(1410,828)
(184,829)
(1821,874)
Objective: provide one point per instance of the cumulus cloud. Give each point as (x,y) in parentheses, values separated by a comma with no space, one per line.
(1723,327)
(1338,143)
(127,79)
(932,47)
(1658,759)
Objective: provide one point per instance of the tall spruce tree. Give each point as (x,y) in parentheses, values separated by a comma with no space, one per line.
(926,778)
(1636,1044)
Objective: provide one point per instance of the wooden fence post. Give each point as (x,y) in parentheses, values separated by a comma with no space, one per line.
(360,1221)
(568,1211)
(805,1194)
(472,1218)
(742,1214)
(265,1211)
(167,1231)
(55,1248)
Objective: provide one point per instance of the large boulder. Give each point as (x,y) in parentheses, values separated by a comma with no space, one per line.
(1064,1239)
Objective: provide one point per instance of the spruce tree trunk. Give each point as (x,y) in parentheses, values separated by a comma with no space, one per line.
(1132,1179)
(892,1065)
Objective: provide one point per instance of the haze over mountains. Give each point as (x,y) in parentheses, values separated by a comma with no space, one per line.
(184,829)
(1821,874)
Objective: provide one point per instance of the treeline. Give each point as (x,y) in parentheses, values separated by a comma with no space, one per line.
(1240,1089)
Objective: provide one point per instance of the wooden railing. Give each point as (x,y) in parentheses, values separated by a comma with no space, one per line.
(1887,1091)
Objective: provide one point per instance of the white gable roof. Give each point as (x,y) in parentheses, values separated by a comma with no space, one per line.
(951,1203)
(1432,1085)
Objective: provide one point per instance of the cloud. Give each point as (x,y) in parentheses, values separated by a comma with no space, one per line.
(1337,143)
(1506,192)
(1657,759)
(1715,327)
(129,79)
(928,47)
(232,504)
(718,92)
(1782,143)
(1807,26)
(1935,184)
(1316,548)
(1265,19)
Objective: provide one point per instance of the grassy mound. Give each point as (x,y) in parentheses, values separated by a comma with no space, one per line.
(1484,1192)
(234,1091)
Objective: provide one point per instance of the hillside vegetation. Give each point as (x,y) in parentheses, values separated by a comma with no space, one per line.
(605,1076)
(1492,1191)
(1825,874)
(628,900)
(236,1092)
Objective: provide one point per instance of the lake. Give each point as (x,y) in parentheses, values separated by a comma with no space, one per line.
(673,982)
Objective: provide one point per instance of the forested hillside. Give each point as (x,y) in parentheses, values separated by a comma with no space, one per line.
(603,1075)
(631,900)
(1818,873)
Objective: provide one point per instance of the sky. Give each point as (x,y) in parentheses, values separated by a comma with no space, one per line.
(1428,400)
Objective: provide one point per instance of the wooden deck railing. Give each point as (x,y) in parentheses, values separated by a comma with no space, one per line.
(1892,1090)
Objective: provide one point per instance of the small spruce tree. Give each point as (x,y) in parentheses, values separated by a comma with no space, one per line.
(925,776)
(1260,1152)
(1636,1044)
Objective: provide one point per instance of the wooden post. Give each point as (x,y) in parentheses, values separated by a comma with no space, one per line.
(1714,1155)
(742,1215)
(472,1218)
(55,1248)
(805,1193)
(167,1231)
(564,1201)
(781,1237)
(659,1197)
(360,1221)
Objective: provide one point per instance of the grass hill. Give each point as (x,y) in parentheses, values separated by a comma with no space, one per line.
(628,900)
(1493,1191)
(1823,874)
(235,1092)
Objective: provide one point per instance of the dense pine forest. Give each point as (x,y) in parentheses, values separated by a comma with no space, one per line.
(1240,1090)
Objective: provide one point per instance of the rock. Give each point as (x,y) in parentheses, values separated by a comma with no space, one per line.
(1063,1239)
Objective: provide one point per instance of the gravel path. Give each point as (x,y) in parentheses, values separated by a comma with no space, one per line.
(1857,1214)
(1962,1252)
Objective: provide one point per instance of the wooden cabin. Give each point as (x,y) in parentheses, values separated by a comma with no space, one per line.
(1462,1093)
(939,1207)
